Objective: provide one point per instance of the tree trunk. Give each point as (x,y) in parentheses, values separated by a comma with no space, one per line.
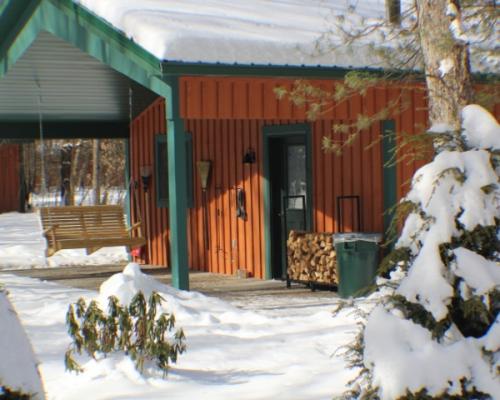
(73,181)
(43,173)
(66,155)
(448,92)
(96,183)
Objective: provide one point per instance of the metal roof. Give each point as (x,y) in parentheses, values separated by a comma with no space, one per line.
(69,84)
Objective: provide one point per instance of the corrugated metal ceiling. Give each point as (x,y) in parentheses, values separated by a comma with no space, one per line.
(72,86)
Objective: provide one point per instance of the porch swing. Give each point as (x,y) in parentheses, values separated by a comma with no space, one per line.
(87,227)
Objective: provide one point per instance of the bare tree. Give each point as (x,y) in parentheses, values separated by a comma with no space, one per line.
(96,169)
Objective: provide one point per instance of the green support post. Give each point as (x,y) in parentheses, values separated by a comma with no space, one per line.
(177,198)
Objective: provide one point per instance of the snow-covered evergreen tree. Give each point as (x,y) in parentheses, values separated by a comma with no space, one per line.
(438,334)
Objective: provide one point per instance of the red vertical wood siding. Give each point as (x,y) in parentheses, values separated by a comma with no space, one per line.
(144,206)
(233,242)
(226,117)
(9,177)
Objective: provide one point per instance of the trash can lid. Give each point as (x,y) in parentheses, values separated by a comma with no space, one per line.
(357,236)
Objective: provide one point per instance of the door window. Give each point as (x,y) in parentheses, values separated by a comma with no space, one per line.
(296,171)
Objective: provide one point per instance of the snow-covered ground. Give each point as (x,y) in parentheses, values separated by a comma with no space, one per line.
(231,353)
(18,369)
(282,348)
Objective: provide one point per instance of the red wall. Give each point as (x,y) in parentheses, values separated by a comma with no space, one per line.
(9,177)
(155,220)
(225,117)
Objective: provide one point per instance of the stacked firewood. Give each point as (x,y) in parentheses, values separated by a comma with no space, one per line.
(311,257)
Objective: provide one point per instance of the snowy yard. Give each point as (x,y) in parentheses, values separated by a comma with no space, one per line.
(281,348)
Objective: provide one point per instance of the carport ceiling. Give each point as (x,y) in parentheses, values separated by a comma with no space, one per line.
(71,85)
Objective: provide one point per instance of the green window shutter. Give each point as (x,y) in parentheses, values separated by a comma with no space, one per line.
(189,169)
(161,170)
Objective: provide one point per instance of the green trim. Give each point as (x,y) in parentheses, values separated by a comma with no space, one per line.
(114,36)
(64,130)
(389,176)
(289,71)
(162,201)
(176,145)
(3,6)
(189,170)
(89,33)
(292,71)
(271,131)
(21,24)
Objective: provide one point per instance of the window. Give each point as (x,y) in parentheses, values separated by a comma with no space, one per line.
(161,166)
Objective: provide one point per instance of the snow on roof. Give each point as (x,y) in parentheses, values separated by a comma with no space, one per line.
(266,32)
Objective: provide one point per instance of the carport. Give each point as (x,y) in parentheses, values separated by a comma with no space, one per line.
(64,73)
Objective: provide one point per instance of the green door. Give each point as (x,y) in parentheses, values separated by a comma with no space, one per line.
(288,189)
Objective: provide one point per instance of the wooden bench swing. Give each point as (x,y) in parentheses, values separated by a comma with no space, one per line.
(88,227)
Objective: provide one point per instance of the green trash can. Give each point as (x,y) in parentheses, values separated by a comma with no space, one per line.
(357,261)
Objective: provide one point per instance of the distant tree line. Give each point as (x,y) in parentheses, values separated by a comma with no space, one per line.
(70,165)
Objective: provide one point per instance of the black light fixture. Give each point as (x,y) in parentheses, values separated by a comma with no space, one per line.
(145,176)
(249,156)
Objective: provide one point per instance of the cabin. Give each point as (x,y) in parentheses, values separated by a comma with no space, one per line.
(220,169)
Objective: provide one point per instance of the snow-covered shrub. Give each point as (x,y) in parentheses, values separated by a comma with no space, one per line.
(134,329)
(437,336)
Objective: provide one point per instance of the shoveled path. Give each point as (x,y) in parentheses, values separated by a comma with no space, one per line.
(247,293)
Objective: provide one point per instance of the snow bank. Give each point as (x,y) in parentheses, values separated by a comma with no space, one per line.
(18,366)
(187,306)
(405,356)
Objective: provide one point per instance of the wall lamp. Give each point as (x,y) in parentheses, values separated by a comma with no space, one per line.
(146,173)
(249,156)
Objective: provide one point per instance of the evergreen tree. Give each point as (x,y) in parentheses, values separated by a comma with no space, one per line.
(437,335)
